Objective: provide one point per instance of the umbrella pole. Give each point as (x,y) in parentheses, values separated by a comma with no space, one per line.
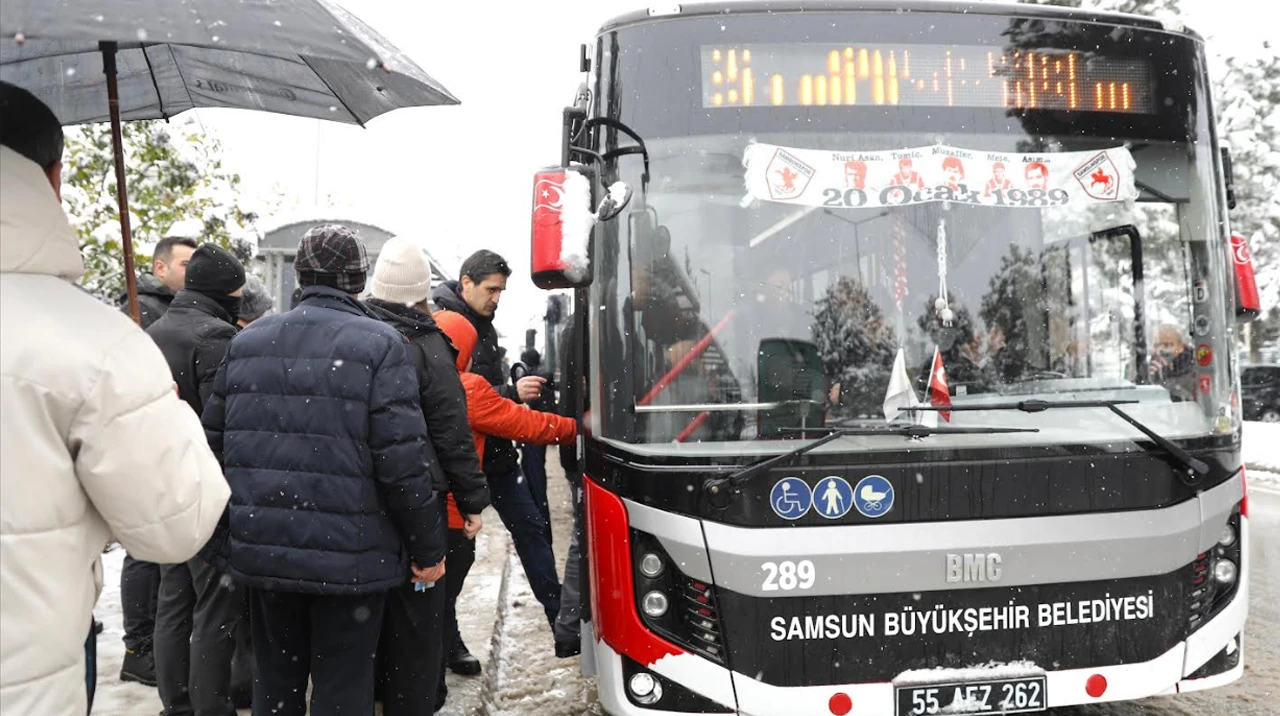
(122,190)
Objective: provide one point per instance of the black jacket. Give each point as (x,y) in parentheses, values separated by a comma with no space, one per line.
(316,421)
(499,455)
(193,336)
(154,299)
(444,404)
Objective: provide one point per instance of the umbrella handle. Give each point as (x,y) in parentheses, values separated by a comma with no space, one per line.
(122,189)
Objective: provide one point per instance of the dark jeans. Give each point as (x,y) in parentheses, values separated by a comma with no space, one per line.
(568,626)
(462,555)
(514,502)
(533,460)
(411,650)
(242,668)
(197,621)
(329,640)
(91,662)
(139,593)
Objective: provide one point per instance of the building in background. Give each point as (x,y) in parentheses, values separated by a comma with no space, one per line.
(279,245)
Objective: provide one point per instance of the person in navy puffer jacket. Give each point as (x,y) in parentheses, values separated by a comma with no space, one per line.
(315,416)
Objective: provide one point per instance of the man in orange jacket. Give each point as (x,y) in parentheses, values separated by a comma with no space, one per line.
(489,414)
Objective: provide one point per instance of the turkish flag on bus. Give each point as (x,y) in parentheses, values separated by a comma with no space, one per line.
(939,393)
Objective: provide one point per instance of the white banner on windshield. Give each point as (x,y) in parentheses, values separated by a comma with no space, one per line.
(818,177)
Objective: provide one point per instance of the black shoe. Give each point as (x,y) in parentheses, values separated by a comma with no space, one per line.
(568,649)
(98,627)
(139,666)
(461,662)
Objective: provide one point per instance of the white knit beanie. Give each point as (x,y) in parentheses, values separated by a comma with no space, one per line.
(402,274)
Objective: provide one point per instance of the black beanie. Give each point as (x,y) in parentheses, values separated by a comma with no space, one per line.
(214,271)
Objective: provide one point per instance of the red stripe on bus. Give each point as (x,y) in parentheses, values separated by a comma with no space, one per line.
(613,603)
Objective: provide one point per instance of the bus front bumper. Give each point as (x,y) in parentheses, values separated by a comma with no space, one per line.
(1187,667)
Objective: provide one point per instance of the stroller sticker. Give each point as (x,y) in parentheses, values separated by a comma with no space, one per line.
(790,498)
(873,497)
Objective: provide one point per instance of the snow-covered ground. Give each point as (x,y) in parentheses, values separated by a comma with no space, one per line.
(529,679)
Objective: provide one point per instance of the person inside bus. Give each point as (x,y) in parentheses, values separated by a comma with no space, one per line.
(777,313)
(1173,363)
(490,416)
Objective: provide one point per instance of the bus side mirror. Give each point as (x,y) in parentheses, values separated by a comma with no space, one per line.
(562,223)
(1248,303)
(617,198)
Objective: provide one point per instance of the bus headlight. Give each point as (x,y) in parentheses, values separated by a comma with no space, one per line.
(645,689)
(655,604)
(1228,536)
(651,565)
(1224,570)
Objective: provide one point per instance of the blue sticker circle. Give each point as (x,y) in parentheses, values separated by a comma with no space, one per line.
(832,497)
(874,496)
(790,498)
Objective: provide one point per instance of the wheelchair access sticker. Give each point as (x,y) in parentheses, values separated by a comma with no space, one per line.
(873,497)
(790,498)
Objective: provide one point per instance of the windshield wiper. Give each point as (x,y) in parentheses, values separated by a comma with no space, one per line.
(715,488)
(1188,461)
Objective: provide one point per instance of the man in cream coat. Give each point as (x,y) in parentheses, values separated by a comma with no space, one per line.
(95,445)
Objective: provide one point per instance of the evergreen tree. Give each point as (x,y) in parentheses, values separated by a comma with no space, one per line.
(857,346)
(1014,304)
(174,174)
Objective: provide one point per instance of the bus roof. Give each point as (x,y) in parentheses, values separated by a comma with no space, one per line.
(672,11)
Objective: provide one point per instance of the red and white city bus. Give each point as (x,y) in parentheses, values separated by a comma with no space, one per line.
(902,344)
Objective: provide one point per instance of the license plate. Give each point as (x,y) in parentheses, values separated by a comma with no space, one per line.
(998,696)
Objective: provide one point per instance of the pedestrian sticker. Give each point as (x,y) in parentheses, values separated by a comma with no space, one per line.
(834,497)
(790,498)
(874,496)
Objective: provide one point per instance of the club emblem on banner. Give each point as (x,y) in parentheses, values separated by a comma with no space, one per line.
(788,176)
(1099,177)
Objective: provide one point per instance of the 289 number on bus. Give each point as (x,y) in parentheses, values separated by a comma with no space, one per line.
(788,576)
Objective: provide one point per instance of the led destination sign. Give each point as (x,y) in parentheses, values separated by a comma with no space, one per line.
(818,75)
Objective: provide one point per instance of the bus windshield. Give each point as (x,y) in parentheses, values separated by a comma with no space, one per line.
(846,212)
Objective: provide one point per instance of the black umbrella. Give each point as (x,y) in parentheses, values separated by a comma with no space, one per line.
(117,60)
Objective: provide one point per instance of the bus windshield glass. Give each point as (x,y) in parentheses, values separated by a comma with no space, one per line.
(848,212)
